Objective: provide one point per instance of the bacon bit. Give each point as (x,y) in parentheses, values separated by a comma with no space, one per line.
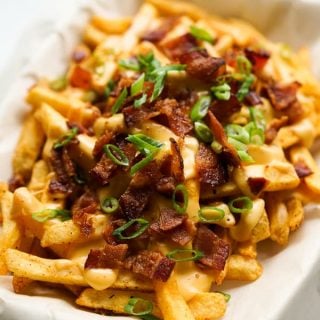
(211,172)
(133,202)
(111,256)
(215,249)
(273,128)
(229,152)
(82,210)
(176,47)
(134,116)
(302,169)
(177,162)
(179,122)
(80,53)
(166,185)
(252,99)
(150,264)
(169,219)
(16,182)
(223,110)
(160,32)
(80,78)
(294,112)
(103,170)
(101,141)
(146,177)
(258,57)
(202,66)
(257,184)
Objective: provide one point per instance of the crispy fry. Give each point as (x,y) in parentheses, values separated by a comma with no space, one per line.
(247,249)
(295,212)
(108,25)
(93,36)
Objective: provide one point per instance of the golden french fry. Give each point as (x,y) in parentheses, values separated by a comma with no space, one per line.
(208,306)
(3,190)
(278,218)
(128,281)
(38,178)
(113,300)
(111,25)
(262,229)
(170,300)
(295,212)
(20,284)
(93,36)
(247,249)
(28,147)
(243,268)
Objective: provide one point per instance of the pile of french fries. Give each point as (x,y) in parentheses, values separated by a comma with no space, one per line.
(27,246)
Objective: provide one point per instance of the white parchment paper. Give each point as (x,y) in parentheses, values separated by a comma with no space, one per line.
(289,288)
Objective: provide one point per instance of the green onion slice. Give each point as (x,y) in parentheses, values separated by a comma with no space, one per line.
(216,146)
(158,85)
(201,34)
(181,255)
(203,132)
(141,164)
(66,139)
(245,87)
(130,64)
(120,100)
(200,108)
(244,66)
(143,226)
(116,154)
(138,307)
(144,143)
(211,214)
(59,84)
(139,102)
(257,117)
(149,317)
(227,296)
(244,156)
(48,214)
(221,92)
(137,86)
(180,188)
(238,133)
(109,88)
(110,205)
(240,205)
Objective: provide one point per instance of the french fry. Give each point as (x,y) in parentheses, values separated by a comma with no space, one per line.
(262,229)
(93,36)
(129,281)
(295,213)
(21,284)
(208,306)
(38,178)
(109,25)
(28,147)
(170,300)
(243,268)
(113,300)
(247,249)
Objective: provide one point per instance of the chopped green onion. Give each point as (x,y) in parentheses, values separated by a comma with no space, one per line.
(240,205)
(130,64)
(66,139)
(216,146)
(245,87)
(221,92)
(200,108)
(180,188)
(203,132)
(170,67)
(201,34)
(256,136)
(109,88)
(237,144)
(137,86)
(110,205)
(59,84)
(181,255)
(89,96)
(144,143)
(149,317)
(48,214)
(141,164)
(139,102)
(116,154)
(244,66)
(237,132)
(227,296)
(135,304)
(257,117)
(158,85)
(142,223)
(211,214)
(148,62)
(244,156)
(120,100)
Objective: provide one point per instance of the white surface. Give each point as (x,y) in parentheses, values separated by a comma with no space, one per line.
(290,285)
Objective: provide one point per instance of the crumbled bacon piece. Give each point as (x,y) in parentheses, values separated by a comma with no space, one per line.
(177,162)
(223,110)
(211,172)
(111,256)
(80,78)
(169,219)
(166,185)
(134,116)
(82,210)
(16,182)
(258,57)
(146,177)
(202,66)
(273,128)
(177,120)
(101,141)
(252,99)
(215,249)
(302,169)
(228,151)
(133,202)
(103,170)
(150,264)
(257,184)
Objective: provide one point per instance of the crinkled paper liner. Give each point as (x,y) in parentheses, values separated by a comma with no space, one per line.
(289,288)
